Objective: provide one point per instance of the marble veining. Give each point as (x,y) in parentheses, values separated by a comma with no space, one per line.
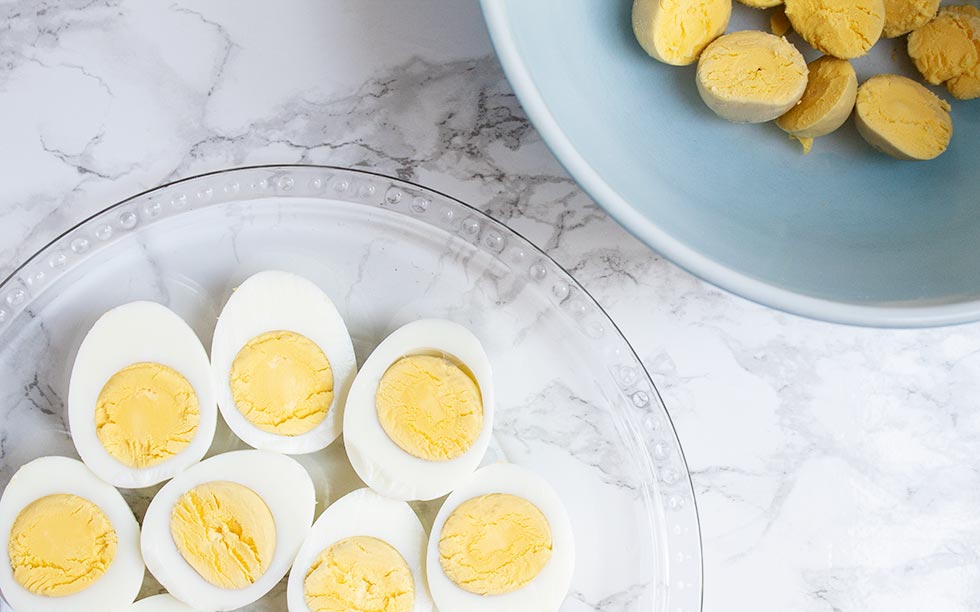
(835,468)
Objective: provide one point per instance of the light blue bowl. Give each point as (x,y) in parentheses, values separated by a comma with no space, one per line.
(844,234)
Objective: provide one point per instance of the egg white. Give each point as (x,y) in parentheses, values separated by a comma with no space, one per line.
(547,591)
(364,513)
(283,485)
(119,585)
(162,603)
(273,301)
(381,463)
(128,334)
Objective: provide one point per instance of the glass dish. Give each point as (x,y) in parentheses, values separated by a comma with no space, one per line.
(574,403)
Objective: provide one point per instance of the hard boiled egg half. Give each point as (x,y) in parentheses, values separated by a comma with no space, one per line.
(221,534)
(282,362)
(365,552)
(420,412)
(72,543)
(502,541)
(140,401)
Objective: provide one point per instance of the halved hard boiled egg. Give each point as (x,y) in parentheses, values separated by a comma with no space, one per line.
(419,415)
(365,552)
(72,543)
(140,401)
(282,362)
(502,541)
(221,534)
(161,603)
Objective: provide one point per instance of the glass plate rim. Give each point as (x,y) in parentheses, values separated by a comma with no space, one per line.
(13,278)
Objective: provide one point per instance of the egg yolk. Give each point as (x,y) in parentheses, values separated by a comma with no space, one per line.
(430,407)
(145,414)
(60,545)
(226,532)
(359,574)
(494,544)
(282,383)
(842,28)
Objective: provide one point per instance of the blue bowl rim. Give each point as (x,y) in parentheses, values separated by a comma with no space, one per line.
(658,239)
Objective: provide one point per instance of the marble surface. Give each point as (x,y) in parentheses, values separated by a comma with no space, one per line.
(835,468)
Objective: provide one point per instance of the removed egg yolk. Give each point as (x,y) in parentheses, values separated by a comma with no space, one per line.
(902,118)
(226,532)
(60,544)
(676,31)
(359,574)
(145,414)
(494,544)
(827,102)
(430,407)
(842,28)
(282,383)
(903,16)
(947,49)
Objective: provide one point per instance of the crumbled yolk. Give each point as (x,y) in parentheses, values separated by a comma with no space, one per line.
(145,414)
(282,383)
(60,544)
(226,532)
(947,49)
(494,544)
(359,574)
(430,407)
(903,16)
(842,28)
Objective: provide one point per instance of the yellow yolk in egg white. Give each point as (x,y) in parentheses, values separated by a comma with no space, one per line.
(430,407)
(902,118)
(676,31)
(60,544)
(842,28)
(145,414)
(494,544)
(903,16)
(282,383)
(226,532)
(359,574)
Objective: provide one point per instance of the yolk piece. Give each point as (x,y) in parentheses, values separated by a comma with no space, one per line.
(60,544)
(359,574)
(948,49)
(145,414)
(494,544)
(903,16)
(903,118)
(779,23)
(827,102)
(676,31)
(842,28)
(430,407)
(226,532)
(282,383)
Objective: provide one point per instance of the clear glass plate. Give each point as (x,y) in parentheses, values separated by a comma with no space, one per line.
(574,403)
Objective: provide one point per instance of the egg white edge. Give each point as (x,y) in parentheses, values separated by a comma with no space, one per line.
(391,521)
(149,332)
(162,603)
(255,469)
(364,438)
(549,588)
(282,312)
(121,583)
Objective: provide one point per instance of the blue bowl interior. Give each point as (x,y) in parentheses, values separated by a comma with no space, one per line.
(845,223)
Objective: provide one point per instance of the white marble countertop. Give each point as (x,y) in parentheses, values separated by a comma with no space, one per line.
(836,468)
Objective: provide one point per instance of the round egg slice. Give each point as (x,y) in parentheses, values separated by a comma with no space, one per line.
(223,533)
(72,543)
(365,552)
(162,603)
(282,361)
(502,541)
(419,415)
(140,401)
